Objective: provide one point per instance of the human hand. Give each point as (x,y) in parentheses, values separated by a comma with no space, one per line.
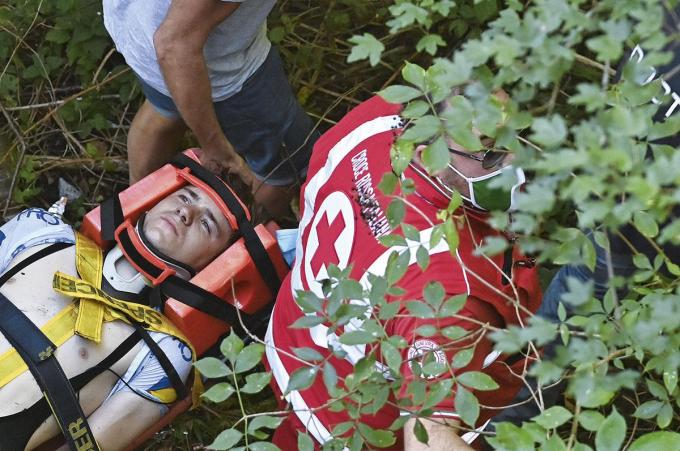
(225,158)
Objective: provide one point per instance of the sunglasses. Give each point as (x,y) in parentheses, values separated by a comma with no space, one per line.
(491,158)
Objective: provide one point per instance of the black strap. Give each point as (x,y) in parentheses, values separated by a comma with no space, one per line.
(200,299)
(52,248)
(110,216)
(167,366)
(256,249)
(84,378)
(131,251)
(37,351)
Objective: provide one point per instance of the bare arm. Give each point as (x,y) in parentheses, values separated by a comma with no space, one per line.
(442,435)
(179,45)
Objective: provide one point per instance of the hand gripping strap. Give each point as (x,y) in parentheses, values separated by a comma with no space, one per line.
(255,248)
(38,353)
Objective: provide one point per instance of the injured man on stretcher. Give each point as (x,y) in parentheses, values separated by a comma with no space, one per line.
(121,395)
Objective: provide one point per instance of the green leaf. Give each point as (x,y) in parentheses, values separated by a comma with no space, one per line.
(377,437)
(453,305)
(436,156)
(357,337)
(365,46)
(606,47)
(670,380)
(226,440)
(212,368)
(302,378)
(451,235)
(467,406)
(430,43)
(392,239)
(648,409)
(399,94)
(330,377)
(389,311)
(414,74)
(308,301)
(231,346)
(434,293)
(249,357)
(437,393)
(612,432)
(388,183)
(391,356)
(307,322)
(646,224)
(401,155)
(304,442)
(549,132)
(655,441)
(590,420)
(511,437)
(493,245)
(422,257)
(669,127)
(477,380)
(553,417)
(663,420)
(308,354)
(420,432)
(397,264)
(396,211)
(411,233)
(262,446)
(419,309)
(219,392)
(422,129)
(415,109)
(463,358)
(264,421)
(256,382)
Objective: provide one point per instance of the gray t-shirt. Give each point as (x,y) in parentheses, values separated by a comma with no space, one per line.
(234,50)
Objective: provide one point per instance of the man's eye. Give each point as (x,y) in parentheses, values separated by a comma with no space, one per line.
(206,224)
(184,198)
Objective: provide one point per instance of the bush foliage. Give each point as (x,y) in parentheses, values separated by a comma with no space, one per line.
(581,134)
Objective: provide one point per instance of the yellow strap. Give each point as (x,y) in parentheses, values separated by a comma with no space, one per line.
(117,309)
(58,329)
(122,310)
(90,264)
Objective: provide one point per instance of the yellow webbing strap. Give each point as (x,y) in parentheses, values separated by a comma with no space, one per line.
(115,309)
(90,264)
(58,330)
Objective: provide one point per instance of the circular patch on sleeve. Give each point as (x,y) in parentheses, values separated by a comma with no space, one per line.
(422,352)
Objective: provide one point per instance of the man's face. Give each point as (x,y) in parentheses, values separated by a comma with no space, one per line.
(188,227)
(470,166)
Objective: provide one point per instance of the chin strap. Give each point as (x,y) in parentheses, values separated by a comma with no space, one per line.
(182,271)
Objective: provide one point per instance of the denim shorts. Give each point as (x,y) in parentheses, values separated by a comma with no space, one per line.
(264,122)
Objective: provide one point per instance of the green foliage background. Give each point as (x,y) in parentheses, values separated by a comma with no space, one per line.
(67,99)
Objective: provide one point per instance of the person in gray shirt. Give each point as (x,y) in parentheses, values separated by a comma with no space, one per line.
(208,65)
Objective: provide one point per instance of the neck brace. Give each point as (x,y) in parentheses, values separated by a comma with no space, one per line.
(124,278)
(114,260)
